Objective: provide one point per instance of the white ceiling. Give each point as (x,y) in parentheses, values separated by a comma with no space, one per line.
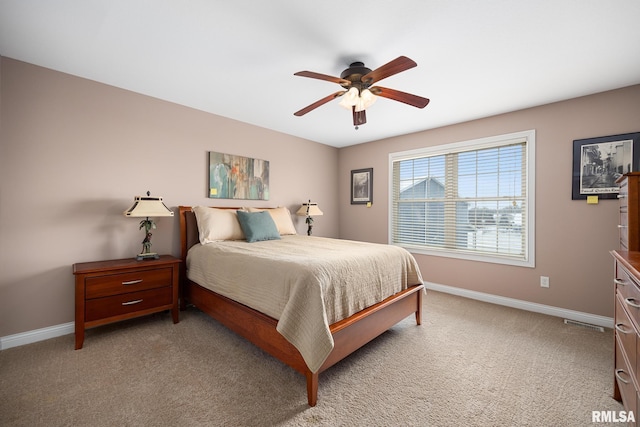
(476,58)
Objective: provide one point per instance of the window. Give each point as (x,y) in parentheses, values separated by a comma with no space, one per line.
(471,200)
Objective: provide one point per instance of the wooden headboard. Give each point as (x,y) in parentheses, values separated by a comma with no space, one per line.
(188,230)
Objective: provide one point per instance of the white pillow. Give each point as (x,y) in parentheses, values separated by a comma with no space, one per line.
(215,225)
(282,217)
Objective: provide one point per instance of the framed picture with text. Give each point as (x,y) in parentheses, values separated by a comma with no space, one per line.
(599,162)
(362,186)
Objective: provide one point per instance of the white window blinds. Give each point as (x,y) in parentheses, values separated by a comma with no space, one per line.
(470,200)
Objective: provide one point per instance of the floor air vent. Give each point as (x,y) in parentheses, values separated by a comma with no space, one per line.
(583,325)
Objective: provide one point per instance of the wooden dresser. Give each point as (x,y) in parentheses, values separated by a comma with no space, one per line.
(627,329)
(114,290)
(629,225)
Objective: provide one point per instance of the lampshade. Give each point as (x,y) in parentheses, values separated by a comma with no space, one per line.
(309,209)
(148,207)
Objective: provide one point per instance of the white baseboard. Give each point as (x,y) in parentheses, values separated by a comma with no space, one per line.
(36,335)
(579,316)
(607,322)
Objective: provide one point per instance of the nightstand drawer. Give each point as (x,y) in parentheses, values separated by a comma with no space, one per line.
(101,308)
(114,284)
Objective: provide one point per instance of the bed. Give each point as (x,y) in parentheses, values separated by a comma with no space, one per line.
(317,337)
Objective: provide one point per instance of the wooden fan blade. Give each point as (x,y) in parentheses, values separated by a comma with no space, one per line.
(396,95)
(401,63)
(316,104)
(359,117)
(325,77)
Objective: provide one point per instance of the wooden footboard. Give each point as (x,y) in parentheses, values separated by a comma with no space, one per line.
(349,334)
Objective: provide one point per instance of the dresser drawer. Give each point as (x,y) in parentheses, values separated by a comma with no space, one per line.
(623,228)
(627,335)
(114,284)
(117,305)
(630,293)
(629,202)
(625,382)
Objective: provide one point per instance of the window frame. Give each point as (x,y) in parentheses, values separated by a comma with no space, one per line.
(529,137)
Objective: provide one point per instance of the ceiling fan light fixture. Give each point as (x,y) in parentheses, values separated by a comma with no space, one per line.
(355,98)
(358,92)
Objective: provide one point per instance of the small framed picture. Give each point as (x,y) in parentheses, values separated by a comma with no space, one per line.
(361,186)
(599,162)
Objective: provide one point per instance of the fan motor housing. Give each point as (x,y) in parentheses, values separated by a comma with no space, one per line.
(355,72)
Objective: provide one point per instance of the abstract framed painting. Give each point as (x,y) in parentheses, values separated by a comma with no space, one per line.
(238,177)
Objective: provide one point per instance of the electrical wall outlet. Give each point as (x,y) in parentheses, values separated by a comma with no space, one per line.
(544,281)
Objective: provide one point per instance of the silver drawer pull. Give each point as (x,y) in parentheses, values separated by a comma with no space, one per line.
(632,302)
(132,302)
(622,226)
(622,196)
(132,282)
(619,328)
(621,371)
(619,282)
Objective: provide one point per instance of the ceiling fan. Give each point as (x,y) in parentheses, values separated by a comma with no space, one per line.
(358,93)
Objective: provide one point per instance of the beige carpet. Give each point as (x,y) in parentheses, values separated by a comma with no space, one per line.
(469,364)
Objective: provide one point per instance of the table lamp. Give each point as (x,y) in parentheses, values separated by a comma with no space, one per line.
(309,210)
(146,207)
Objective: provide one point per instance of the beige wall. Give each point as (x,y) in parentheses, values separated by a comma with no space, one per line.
(74,153)
(573,239)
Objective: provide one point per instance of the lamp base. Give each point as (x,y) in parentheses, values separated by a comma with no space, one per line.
(150,255)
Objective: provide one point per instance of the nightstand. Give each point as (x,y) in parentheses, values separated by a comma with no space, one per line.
(110,291)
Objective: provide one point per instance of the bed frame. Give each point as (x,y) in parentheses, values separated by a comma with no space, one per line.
(349,334)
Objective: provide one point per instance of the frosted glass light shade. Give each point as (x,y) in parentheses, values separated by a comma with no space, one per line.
(366,100)
(350,98)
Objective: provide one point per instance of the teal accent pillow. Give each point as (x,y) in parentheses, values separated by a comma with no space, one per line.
(258,226)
